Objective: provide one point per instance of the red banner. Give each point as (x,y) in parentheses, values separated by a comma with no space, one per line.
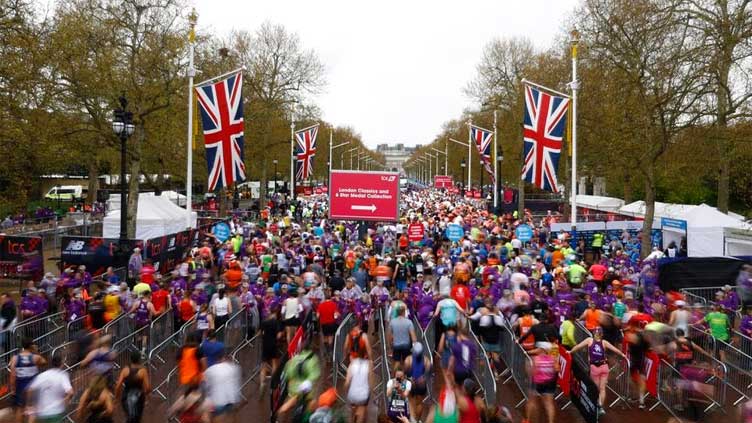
(296,343)
(356,195)
(650,371)
(565,370)
(442,181)
(415,232)
(476,194)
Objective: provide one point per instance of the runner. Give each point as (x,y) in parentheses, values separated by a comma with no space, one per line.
(358,388)
(24,367)
(132,387)
(144,312)
(417,367)
(599,369)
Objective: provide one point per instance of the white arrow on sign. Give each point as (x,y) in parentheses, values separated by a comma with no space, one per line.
(372,208)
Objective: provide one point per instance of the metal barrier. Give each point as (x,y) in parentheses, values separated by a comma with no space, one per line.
(386,374)
(483,372)
(75,326)
(673,395)
(519,363)
(160,328)
(427,353)
(165,353)
(120,327)
(233,333)
(249,352)
(706,292)
(694,299)
(745,342)
(33,328)
(739,368)
(339,368)
(702,338)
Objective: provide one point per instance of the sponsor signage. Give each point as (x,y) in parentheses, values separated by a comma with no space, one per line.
(583,392)
(169,250)
(524,233)
(442,181)
(677,224)
(221,231)
(415,232)
(355,195)
(454,232)
(22,256)
(97,253)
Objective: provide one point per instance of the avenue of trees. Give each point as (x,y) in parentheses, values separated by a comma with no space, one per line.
(664,102)
(63,70)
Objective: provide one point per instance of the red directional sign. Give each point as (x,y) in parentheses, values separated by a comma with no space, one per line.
(442,181)
(415,232)
(355,195)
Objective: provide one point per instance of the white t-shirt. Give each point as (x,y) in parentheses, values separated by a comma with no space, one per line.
(516,243)
(292,308)
(51,387)
(518,279)
(223,380)
(359,388)
(221,306)
(445,285)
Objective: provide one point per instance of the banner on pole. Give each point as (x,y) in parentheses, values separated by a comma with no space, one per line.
(544,123)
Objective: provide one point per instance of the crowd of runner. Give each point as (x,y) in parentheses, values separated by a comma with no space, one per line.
(294,268)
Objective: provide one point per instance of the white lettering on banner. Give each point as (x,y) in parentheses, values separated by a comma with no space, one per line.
(75,246)
(584,399)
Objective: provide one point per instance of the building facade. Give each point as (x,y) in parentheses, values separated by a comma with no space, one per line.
(396,155)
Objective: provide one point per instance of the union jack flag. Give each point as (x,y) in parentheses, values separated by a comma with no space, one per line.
(544,124)
(305,150)
(482,138)
(221,105)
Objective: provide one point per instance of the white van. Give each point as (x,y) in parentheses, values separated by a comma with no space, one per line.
(66,193)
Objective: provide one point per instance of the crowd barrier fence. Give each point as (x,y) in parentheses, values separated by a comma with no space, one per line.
(248,357)
(427,353)
(339,367)
(483,371)
(386,374)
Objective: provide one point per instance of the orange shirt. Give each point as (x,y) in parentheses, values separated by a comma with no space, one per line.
(233,277)
(592,319)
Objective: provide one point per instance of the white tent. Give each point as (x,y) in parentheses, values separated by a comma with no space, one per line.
(175,197)
(157,216)
(705,231)
(597,202)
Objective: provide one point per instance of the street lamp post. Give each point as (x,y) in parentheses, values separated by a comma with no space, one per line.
(462,165)
(275,176)
(122,125)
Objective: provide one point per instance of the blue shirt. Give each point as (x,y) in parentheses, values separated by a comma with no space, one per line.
(213,351)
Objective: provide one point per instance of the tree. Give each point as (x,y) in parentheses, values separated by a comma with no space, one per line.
(726,30)
(280,73)
(101,48)
(655,55)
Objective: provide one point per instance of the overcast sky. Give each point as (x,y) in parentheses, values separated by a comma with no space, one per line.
(395,69)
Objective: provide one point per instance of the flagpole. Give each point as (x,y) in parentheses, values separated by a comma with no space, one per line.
(292,152)
(189,140)
(469,155)
(575,87)
(495,168)
(330,151)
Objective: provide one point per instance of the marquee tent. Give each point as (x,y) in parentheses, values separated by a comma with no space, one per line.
(157,216)
(597,202)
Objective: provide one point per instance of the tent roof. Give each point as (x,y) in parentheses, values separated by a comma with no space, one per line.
(678,211)
(704,216)
(598,202)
